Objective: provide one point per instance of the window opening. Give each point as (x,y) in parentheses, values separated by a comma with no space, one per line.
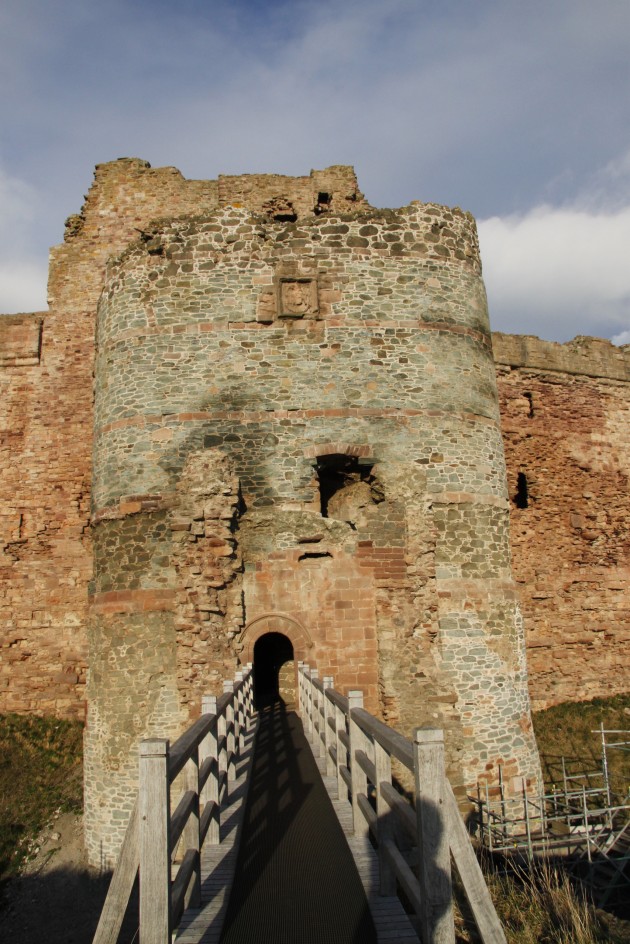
(346,484)
(529,397)
(323,202)
(314,555)
(521,499)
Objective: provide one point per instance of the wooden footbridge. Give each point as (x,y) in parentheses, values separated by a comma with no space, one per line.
(290,830)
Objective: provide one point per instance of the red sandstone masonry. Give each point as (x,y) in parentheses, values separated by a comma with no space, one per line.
(133,601)
(566,423)
(338,612)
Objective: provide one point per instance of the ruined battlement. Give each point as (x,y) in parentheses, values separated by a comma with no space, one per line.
(583,356)
(129,186)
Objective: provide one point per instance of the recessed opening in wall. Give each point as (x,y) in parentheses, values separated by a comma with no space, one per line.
(313,555)
(323,202)
(280,209)
(347,485)
(521,499)
(529,397)
(274,670)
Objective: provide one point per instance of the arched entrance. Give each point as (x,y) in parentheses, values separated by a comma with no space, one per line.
(274,670)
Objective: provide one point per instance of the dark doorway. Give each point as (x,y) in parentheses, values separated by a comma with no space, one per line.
(274,670)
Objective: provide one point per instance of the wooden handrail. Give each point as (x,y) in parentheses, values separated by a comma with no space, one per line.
(394,743)
(338,700)
(205,757)
(359,749)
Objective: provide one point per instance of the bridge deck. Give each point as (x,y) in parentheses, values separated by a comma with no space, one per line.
(298,879)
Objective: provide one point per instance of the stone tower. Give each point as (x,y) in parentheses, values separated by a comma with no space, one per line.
(297,455)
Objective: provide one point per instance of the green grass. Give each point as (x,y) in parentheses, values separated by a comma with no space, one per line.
(566,731)
(40,773)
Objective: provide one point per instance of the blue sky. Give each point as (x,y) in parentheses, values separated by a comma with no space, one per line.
(519,112)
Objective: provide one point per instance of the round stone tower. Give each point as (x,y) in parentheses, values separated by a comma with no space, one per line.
(297,436)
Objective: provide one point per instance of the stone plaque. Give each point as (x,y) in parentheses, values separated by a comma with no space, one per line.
(297,298)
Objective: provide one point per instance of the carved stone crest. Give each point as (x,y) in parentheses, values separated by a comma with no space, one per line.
(297,298)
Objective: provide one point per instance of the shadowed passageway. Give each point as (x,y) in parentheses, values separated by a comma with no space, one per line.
(296,881)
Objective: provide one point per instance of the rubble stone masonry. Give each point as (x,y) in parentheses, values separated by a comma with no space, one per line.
(259,408)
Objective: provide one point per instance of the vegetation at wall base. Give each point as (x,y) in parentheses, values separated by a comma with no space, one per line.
(540,905)
(40,774)
(566,731)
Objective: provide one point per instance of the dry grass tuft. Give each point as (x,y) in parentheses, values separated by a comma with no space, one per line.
(539,905)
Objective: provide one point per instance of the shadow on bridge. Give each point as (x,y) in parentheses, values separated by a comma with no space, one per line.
(295,878)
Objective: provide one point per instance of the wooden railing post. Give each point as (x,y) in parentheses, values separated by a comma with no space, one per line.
(250,690)
(321,717)
(301,666)
(191,838)
(315,709)
(222,747)
(155,852)
(329,734)
(239,711)
(228,687)
(383,766)
(314,701)
(340,728)
(308,698)
(208,749)
(434,865)
(359,778)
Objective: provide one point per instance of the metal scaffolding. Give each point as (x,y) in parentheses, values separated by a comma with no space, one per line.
(580,819)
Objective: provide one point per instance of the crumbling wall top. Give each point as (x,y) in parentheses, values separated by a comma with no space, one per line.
(125,186)
(591,357)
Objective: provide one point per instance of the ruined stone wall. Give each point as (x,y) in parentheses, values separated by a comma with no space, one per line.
(44,500)
(46,419)
(334,375)
(565,411)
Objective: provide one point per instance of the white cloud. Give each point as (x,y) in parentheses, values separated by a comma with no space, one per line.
(558,271)
(22,287)
(17,206)
(22,277)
